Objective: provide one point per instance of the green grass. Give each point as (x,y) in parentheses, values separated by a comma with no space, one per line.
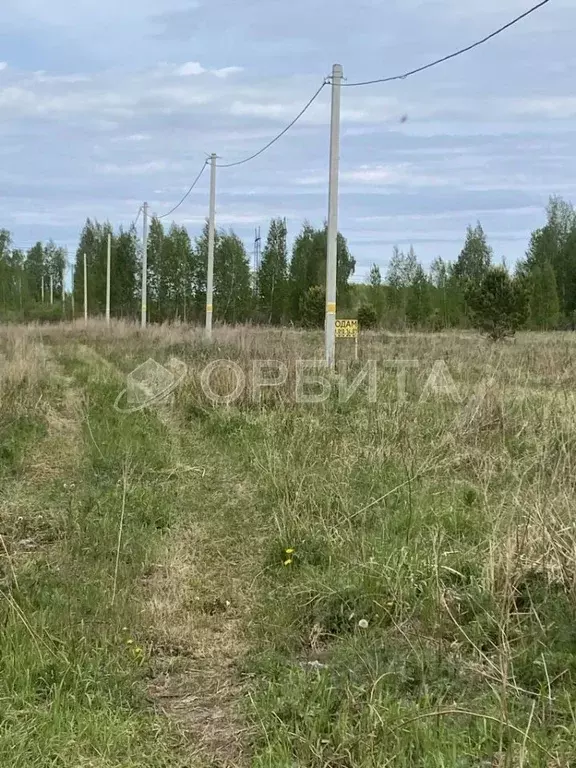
(71,665)
(425,617)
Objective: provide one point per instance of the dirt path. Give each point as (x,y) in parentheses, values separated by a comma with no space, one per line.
(192,601)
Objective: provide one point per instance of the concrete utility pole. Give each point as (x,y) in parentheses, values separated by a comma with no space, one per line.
(85,292)
(51,289)
(144,264)
(42,289)
(72,288)
(332,235)
(108,261)
(211,238)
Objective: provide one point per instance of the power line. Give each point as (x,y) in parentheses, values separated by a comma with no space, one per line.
(451,55)
(196,180)
(279,136)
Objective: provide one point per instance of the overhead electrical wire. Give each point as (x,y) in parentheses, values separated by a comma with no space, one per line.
(251,157)
(279,136)
(451,55)
(196,180)
(327,81)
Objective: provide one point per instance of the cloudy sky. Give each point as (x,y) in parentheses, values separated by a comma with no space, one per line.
(106,104)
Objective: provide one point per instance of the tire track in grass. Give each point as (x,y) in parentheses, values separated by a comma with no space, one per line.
(68,681)
(190,600)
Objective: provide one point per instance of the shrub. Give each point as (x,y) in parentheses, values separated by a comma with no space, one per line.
(498,304)
(367,317)
(313,307)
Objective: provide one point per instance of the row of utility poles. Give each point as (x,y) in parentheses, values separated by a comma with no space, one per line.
(108,268)
(210,269)
(332,237)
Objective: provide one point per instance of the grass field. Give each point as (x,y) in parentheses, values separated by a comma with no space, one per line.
(387,579)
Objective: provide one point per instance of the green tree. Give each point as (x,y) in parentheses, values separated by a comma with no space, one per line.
(232,287)
(367,316)
(272,278)
(93,243)
(308,266)
(156,273)
(302,269)
(376,292)
(182,267)
(555,243)
(11,274)
(16,285)
(313,307)
(475,258)
(400,277)
(498,304)
(418,305)
(35,271)
(543,297)
(124,291)
(439,279)
(54,265)
(198,270)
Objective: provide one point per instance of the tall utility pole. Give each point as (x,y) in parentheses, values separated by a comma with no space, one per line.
(42,289)
(257,249)
(144,263)
(332,235)
(211,238)
(85,292)
(64,291)
(51,289)
(108,260)
(72,288)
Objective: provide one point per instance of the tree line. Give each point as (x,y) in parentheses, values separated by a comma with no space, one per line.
(289,287)
(541,288)
(284,289)
(29,280)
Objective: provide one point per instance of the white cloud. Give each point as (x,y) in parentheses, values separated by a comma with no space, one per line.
(259,110)
(132,169)
(553,107)
(227,71)
(229,218)
(190,68)
(387,175)
(134,137)
(152,123)
(467,214)
(195,68)
(3,65)
(42,77)
(317,114)
(401,174)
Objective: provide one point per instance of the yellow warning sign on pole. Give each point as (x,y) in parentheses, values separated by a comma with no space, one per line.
(346,329)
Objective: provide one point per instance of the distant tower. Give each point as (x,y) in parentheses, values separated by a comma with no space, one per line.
(257,249)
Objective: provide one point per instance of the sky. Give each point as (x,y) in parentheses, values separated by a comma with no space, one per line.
(106,104)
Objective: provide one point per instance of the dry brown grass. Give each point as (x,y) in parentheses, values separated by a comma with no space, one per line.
(32,388)
(504,456)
